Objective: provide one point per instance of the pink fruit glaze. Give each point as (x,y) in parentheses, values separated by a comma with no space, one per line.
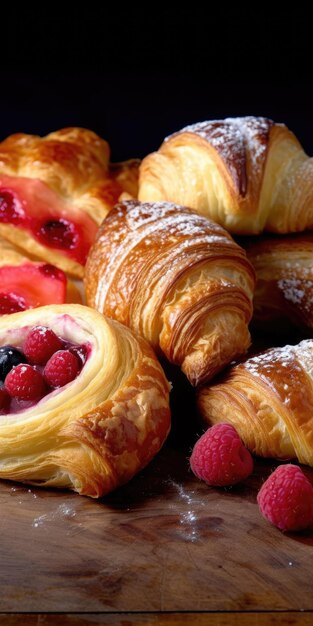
(30,205)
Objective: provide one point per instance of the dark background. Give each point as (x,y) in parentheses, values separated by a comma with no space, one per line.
(134,76)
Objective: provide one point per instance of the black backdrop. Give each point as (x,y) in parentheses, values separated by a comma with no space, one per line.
(135,75)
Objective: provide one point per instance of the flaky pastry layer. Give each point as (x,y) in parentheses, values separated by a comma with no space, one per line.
(177,279)
(269,400)
(99,430)
(247,173)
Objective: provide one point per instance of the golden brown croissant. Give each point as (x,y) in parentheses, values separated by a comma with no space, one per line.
(25,283)
(284,289)
(269,400)
(95,432)
(56,190)
(177,279)
(248,174)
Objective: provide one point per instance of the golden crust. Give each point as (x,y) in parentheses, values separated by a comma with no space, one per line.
(269,400)
(177,279)
(247,174)
(97,432)
(74,164)
(284,289)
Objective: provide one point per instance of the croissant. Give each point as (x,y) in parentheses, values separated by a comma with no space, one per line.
(269,400)
(94,433)
(26,284)
(177,279)
(56,190)
(248,174)
(284,289)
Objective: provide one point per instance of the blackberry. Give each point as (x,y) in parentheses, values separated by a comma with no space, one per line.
(9,357)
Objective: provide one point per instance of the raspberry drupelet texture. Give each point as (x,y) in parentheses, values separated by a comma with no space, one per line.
(61,368)
(40,344)
(220,458)
(24,382)
(286,499)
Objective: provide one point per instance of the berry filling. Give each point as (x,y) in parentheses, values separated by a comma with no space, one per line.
(30,285)
(31,205)
(11,303)
(43,363)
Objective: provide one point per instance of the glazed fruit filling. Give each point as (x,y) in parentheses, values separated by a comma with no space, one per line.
(31,205)
(43,363)
(30,285)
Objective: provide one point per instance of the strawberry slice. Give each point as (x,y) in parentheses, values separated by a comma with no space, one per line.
(30,205)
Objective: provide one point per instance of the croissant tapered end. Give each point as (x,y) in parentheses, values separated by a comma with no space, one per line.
(269,400)
(177,279)
(248,174)
(98,430)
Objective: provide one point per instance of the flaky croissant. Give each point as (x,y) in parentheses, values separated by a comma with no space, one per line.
(25,283)
(177,279)
(56,190)
(284,289)
(269,400)
(248,174)
(97,431)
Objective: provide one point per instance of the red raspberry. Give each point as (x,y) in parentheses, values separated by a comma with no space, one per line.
(220,458)
(24,382)
(286,498)
(61,369)
(40,344)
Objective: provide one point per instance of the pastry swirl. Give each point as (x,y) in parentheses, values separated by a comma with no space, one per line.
(95,433)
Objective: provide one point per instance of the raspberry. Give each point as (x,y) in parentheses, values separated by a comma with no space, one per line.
(220,458)
(62,368)
(286,498)
(40,344)
(24,382)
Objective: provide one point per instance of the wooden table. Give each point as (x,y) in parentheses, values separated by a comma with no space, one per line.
(164,549)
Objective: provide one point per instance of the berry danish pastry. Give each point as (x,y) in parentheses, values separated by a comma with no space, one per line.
(83,402)
(56,190)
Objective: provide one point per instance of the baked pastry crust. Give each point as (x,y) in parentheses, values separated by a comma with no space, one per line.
(68,170)
(247,173)
(175,278)
(269,400)
(95,433)
(284,290)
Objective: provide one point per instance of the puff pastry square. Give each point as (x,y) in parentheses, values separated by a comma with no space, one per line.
(56,190)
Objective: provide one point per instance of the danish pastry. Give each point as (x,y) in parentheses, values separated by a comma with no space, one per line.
(83,403)
(269,400)
(248,174)
(56,190)
(175,278)
(26,284)
(284,289)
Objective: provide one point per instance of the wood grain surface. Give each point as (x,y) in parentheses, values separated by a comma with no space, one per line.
(164,549)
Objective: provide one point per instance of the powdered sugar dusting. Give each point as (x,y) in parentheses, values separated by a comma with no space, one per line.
(236,140)
(297,291)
